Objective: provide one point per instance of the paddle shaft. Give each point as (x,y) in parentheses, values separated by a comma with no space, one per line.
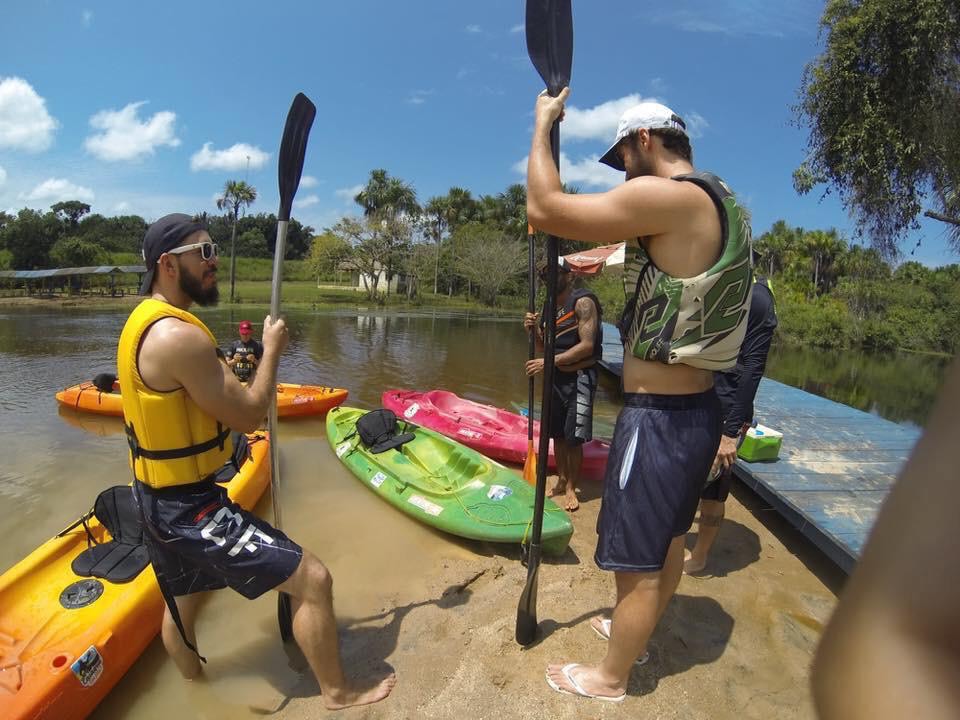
(531,307)
(272,413)
(549,356)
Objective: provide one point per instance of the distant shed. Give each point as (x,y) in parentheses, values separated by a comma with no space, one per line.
(51,280)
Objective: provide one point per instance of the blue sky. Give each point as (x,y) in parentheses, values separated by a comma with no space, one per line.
(150,108)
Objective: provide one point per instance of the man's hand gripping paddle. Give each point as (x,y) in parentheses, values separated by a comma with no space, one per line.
(550,46)
(293,147)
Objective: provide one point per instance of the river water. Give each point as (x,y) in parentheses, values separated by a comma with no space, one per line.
(57,461)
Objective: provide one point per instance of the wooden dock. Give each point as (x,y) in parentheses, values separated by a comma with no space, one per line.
(835,468)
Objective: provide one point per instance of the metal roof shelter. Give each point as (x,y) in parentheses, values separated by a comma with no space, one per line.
(43,280)
(66,272)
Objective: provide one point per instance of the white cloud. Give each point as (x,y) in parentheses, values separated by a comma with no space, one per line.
(419,97)
(474,29)
(233,158)
(308,181)
(122,207)
(518,28)
(349,193)
(125,137)
(588,172)
(56,189)
(599,122)
(696,124)
(305,202)
(25,123)
(86,18)
(3,175)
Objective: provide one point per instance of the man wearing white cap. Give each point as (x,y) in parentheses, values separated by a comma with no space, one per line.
(687,284)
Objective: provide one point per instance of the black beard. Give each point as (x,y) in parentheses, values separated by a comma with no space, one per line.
(193,288)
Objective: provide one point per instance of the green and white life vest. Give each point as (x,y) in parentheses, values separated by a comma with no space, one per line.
(698,321)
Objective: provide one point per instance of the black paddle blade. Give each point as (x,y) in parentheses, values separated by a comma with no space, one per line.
(285,617)
(550,41)
(293,147)
(526,629)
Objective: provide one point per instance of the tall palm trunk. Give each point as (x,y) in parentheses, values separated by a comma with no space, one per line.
(233,258)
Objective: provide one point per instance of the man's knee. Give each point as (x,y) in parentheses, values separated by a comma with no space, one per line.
(313,580)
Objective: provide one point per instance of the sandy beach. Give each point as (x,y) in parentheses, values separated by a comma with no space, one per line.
(733,644)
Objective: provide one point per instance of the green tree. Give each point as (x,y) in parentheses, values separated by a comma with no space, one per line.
(327,251)
(823,247)
(76,252)
(487,258)
(387,196)
(29,238)
(70,211)
(237,194)
(880,105)
(435,221)
(252,243)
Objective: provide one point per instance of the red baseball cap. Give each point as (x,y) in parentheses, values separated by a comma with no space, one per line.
(245,325)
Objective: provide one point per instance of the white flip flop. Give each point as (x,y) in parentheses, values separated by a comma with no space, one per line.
(604,634)
(578,689)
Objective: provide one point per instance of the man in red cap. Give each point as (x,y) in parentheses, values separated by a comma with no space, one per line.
(244,354)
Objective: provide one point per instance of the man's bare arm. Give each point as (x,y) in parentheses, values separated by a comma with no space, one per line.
(892,648)
(587,319)
(177,354)
(643,206)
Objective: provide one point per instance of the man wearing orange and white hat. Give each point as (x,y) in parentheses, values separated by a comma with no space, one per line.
(244,354)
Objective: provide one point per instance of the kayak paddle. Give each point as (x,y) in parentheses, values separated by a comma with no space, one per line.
(530,464)
(293,147)
(550,46)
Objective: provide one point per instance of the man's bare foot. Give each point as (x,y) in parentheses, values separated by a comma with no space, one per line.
(586,681)
(572,501)
(692,565)
(352,697)
(557,489)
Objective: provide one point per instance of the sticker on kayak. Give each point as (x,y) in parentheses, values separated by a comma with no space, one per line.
(466,432)
(411,411)
(342,448)
(428,507)
(377,480)
(499,492)
(88,667)
(301,399)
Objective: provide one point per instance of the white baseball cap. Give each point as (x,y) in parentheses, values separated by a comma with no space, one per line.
(650,115)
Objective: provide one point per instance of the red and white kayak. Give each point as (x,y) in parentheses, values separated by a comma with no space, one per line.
(496,433)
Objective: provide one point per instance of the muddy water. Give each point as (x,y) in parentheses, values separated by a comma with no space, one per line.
(57,461)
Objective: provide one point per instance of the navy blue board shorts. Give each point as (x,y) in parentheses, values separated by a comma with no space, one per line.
(571,409)
(198,540)
(663,447)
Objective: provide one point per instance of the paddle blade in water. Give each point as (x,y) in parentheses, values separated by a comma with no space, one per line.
(526,628)
(285,617)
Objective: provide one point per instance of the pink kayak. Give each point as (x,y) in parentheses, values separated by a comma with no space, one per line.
(496,433)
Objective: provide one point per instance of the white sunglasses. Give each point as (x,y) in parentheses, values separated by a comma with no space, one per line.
(208,250)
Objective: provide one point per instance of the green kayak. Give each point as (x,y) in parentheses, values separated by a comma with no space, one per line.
(447,485)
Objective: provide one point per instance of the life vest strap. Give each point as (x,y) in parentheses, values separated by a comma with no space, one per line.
(176,453)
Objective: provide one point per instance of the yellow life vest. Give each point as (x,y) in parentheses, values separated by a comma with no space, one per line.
(172,441)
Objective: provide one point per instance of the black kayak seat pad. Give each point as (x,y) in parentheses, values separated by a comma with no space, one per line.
(378,431)
(124,556)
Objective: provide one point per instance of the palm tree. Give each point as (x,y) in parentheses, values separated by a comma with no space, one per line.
(236,194)
(824,247)
(388,196)
(436,212)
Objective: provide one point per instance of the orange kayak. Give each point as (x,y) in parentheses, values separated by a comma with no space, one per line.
(58,663)
(292,400)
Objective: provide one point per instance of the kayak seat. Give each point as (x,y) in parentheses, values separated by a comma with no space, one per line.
(104,382)
(124,556)
(379,431)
